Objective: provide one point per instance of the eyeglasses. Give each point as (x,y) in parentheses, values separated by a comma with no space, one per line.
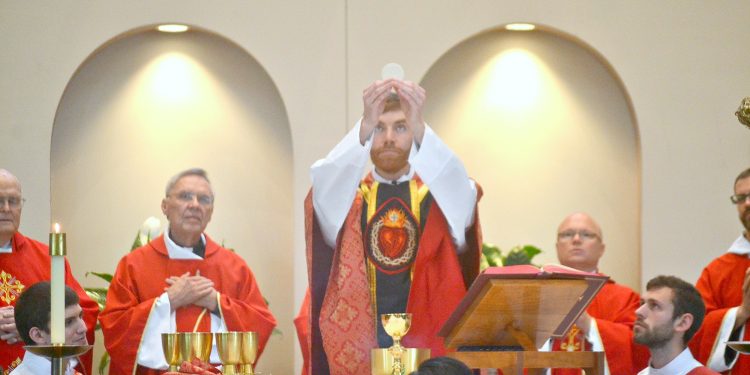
(187,197)
(13,202)
(568,235)
(739,198)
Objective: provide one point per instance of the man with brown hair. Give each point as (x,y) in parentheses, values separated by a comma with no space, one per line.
(32,315)
(671,313)
(404,239)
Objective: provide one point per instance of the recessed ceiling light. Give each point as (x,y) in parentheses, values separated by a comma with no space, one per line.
(172,28)
(520,27)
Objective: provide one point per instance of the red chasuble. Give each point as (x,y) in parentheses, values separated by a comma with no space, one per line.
(140,280)
(341,317)
(614,310)
(28,264)
(703,370)
(720,285)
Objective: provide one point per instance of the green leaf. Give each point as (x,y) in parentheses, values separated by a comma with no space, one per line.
(493,254)
(531,251)
(137,242)
(521,255)
(105,276)
(99,296)
(483,264)
(103,363)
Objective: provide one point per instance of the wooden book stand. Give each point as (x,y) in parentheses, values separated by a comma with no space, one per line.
(509,312)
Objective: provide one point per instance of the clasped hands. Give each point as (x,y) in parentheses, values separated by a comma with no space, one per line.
(187,290)
(8,331)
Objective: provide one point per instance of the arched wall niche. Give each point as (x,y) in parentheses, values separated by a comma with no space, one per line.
(546,126)
(147,105)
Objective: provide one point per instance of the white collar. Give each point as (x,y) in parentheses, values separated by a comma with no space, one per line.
(406,177)
(39,365)
(740,246)
(7,247)
(680,365)
(176,251)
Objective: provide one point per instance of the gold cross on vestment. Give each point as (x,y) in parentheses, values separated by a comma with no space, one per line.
(10,287)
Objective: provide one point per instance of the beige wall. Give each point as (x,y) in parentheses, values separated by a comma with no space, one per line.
(545,128)
(151,104)
(684,65)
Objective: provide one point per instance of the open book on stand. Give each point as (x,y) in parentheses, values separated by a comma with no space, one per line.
(520,306)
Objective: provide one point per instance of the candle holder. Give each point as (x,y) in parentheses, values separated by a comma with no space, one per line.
(57,245)
(57,354)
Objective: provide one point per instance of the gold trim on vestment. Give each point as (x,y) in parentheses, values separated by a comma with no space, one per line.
(198,321)
(370,195)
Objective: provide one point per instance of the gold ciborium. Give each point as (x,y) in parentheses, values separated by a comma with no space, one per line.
(171,347)
(249,352)
(229,346)
(396,326)
(195,345)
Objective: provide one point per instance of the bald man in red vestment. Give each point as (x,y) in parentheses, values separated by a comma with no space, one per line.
(607,323)
(181,281)
(24,262)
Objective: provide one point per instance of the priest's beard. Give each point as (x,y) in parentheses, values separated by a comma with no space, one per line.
(389,159)
(655,337)
(745,217)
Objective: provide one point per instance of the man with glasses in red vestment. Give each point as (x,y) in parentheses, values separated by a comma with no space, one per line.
(725,287)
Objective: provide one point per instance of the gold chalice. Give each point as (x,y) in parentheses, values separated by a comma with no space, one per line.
(411,358)
(171,347)
(195,345)
(396,326)
(229,345)
(249,351)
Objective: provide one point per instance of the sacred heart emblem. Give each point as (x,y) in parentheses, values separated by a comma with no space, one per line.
(392,241)
(392,236)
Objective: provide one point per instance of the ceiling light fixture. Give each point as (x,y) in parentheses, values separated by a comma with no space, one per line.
(172,28)
(520,27)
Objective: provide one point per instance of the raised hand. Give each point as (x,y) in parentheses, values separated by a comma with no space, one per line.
(412,97)
(373,98)
(743,312)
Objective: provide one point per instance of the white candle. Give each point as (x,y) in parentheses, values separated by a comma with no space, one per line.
(57,286)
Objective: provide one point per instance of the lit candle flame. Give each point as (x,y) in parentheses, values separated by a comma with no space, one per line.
(57,227)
